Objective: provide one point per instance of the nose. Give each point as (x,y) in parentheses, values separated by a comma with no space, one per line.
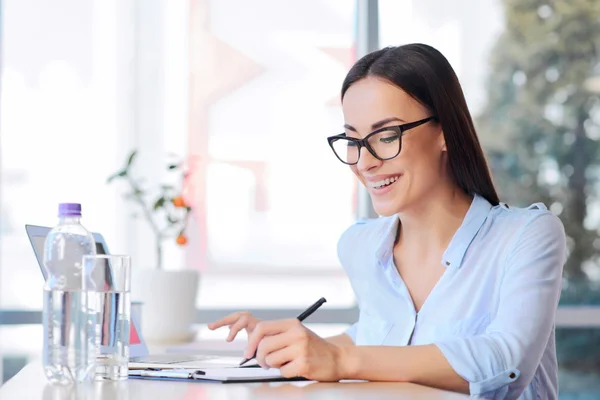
(367,161)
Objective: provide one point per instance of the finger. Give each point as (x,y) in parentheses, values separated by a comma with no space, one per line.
(282,356)
(228,320)
(238,326)
(271,344)
(267,328)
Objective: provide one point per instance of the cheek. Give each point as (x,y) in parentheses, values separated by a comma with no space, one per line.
(354,170)
(426,170)
(422,162)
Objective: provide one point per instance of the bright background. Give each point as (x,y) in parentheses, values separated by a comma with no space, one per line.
(252,95)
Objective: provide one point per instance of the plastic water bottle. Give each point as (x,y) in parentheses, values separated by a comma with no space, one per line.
(68,353)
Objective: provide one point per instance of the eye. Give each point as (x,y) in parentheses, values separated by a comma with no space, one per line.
(389,137)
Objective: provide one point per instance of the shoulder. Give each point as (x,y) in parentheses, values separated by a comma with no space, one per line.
(533,227)
(533,218)
(364,236)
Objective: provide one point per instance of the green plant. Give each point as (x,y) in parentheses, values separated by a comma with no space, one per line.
(163,208)
(543,116)
(542,109)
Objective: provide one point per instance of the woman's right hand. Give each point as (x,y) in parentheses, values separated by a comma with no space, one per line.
(236,322)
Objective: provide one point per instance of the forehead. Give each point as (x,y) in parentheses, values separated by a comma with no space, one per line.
(373,99)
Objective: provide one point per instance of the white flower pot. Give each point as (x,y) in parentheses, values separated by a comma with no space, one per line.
(169,308)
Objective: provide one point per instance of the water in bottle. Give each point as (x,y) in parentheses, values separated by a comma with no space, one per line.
(68,353)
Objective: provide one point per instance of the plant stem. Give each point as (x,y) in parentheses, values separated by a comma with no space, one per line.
(148,215)
(159,252)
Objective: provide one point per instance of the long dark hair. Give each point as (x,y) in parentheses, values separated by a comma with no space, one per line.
(425,74)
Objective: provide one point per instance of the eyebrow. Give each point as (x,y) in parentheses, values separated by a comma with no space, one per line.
(376,125)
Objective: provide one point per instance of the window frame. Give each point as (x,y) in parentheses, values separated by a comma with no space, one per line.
(367,40)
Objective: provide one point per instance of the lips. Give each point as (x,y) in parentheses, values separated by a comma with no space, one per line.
(381,185)
(383,182)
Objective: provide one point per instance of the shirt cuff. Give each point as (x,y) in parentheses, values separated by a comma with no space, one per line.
(478,362)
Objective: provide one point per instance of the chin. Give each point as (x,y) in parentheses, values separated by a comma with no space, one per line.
(386,210)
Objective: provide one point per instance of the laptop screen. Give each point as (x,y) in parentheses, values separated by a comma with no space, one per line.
(39,244)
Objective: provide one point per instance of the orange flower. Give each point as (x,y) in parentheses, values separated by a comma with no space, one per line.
(178,202)
(182,240)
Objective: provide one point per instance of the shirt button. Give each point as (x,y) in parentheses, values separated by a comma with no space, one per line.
(512,375)
(447,262)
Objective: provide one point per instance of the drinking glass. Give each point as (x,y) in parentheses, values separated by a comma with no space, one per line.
(108,286)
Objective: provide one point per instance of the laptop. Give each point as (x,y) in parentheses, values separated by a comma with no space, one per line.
(138,351)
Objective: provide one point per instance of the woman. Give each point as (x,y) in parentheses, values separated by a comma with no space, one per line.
(456,290)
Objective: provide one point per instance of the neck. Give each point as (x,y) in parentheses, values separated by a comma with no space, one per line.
(69,219)
(430,225)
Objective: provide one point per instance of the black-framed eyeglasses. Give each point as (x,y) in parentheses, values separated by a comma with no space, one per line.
(384,143)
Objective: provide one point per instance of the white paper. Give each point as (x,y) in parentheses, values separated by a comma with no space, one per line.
(217,362)
(222,374)
(215,374)
(165,373)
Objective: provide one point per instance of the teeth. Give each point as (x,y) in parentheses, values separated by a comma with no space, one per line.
(383,182)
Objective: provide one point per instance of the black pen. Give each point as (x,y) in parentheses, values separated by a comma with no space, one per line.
(301,318)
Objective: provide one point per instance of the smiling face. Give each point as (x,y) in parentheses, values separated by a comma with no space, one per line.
(397,184)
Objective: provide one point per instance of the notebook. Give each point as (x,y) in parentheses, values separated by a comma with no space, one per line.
(223,375)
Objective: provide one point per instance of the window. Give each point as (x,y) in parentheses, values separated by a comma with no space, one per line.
(81,89)
(61,99)
(85,82)
(271,199)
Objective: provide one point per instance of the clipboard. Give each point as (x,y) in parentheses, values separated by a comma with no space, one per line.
(215,375)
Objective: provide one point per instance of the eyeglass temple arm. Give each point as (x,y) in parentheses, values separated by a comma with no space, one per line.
(411,125)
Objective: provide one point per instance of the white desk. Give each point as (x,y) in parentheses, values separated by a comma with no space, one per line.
(30,383)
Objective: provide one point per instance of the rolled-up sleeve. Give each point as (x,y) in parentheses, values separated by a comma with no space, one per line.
(502,361)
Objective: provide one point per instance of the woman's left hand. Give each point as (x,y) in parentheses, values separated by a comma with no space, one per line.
(295,350)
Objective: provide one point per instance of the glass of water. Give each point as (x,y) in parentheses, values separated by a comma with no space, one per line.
(108,287)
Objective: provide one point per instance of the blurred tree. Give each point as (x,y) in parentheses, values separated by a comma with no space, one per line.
(542,121)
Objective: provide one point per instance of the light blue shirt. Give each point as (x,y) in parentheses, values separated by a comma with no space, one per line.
(491,313)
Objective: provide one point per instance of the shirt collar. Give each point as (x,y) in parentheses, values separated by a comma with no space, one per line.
(388,234)
(454,254)
(473,221)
